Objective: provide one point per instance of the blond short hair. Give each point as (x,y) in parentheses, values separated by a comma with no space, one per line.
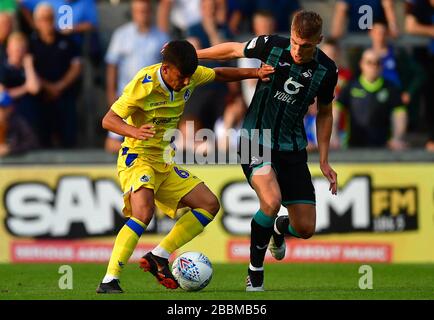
(307,24)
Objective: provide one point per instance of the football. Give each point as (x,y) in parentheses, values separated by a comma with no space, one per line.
(192,270)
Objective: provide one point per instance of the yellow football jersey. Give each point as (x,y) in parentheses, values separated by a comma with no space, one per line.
(146,99)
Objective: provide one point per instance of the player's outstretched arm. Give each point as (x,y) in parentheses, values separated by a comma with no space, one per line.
(324,124)
(237,74)
(223,51)
(116,124)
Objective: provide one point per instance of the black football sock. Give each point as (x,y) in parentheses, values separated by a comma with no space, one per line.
(285,228)
(261,231)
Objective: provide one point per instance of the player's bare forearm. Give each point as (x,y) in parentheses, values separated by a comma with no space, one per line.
(223,51)
(324,125)
(237,74)
(116,124)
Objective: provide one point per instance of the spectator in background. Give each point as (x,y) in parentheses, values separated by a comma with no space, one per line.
(84,16)
(8,6)
(347,18)
(400,69)
(209,31)
(6,24)
(376,113)
(331,48)
(58,66)
(16,136)
(227,128)
(263,23)
(234,15)
(206,105)
(133,46)
(84,19)
(18,77)
(281,10)
(177,16)
(346,13)
(419,20)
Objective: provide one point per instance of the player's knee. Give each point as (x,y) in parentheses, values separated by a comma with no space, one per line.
(212,205)
(271,206)
(144,213)
(306,232)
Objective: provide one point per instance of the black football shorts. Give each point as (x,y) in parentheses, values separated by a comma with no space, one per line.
(292,173)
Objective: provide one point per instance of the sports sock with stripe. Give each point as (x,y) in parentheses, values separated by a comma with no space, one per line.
(124,246)
(284,226)
(185,229)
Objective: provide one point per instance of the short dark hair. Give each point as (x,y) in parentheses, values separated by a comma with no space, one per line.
(307,24)
(182,55)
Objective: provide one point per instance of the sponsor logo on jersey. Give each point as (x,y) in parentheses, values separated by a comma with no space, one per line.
(147,79)
(284,97)
(187,94)
(307,74)
(254,160)
(159,103)
(161,120)
(252,43)
(145,178)
(291,83)
(284,64)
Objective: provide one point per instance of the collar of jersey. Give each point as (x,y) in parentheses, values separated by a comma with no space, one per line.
(371,87)
(163,85)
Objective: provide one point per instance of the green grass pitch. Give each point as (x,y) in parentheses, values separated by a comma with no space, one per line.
(282,282)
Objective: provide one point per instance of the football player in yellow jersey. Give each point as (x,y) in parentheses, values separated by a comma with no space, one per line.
(152,104)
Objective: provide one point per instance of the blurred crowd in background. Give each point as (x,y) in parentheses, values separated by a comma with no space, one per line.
(384,97)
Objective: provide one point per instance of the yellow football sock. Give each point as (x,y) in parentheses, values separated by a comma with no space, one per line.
(186,228)
(124,246)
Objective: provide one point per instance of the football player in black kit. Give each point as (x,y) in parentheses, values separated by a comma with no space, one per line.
(274,122)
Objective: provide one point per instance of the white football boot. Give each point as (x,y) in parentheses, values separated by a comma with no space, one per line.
(278,253)
(255,281)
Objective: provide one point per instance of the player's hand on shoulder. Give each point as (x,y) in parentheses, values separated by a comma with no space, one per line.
(264,72)
(145,132)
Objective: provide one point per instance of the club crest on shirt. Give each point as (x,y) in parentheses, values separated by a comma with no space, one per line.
(290,83)
(187,94)
(145,178)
